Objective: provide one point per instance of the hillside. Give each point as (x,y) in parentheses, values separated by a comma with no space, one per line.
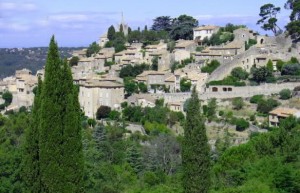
(12,59)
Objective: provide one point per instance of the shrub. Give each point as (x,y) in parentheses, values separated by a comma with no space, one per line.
(241,124)
(229,80)
(239,73)
(238,103)
(285,94)
(265,106)
(74,61)
(291,69)
(256,98)
(103,112)
(221,113)
(114,115)
(7,97)
(210,67)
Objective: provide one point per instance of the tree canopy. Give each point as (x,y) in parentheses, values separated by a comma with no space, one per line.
(268,21)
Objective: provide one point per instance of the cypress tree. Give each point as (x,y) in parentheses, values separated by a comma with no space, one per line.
(195,150)
(61,157)
(111,33)
(31,169)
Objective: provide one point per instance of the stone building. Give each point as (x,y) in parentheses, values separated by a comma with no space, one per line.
(103,40)
(278,114)
(95,93)
(21,86)
(204,32)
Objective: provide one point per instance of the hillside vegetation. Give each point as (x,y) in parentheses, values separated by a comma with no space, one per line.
(12,59)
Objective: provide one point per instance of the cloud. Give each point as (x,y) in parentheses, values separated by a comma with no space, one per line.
(12,26)
(9,6)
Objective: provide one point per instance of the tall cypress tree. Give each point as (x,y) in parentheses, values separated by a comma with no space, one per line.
(195,150)
(61,157)
(31,168)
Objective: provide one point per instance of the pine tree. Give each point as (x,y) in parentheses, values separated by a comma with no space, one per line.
(31,169)
(61,157)
(195,150)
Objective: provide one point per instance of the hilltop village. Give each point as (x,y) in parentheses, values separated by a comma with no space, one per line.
(141,75)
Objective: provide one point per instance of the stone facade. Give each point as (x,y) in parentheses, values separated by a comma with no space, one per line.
(95,93)
(204,32)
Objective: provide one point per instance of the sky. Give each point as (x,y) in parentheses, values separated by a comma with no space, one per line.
(31,23)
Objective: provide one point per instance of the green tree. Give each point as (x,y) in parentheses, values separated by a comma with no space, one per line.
(195,150)
(279,65)
(265,106)
(93,48)
(103,112)
(111,33)
(285,94)
(241,124)
(7,97)
(185,85)
(74,61)
(239,73)
(31,160)
(268,14)
(261,74)
(60,146)
(154,65)
(293,26)
(211,107)
(162,23)
(182,27)
(270,66)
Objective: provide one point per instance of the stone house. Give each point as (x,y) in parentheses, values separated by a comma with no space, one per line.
(157,47)
(143,100)
(91,64)
(243,35)
(94,93)
(80,53)
(204,32)
(197,78)
(165,59)
(103,40)
(278,114)
(187,45)
(175,106)
(22,89)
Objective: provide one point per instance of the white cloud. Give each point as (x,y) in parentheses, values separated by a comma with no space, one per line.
(9,26)
(9,6)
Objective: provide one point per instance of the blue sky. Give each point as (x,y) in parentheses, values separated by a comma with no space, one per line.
(29,23)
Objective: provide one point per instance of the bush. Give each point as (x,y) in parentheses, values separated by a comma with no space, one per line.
(241,124)
(291,69)
(103,112)
(238,103)
(265,106)
(210,67)
(7,97)
(239,73)
(285,94)
(74,61)
(114,115)
(221,113)
(151,179)
(256,98)
(185,85)
(229,80)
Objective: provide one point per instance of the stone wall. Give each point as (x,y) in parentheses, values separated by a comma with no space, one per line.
(225,92)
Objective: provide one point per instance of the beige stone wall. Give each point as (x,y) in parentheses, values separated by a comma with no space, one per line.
(91,98)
